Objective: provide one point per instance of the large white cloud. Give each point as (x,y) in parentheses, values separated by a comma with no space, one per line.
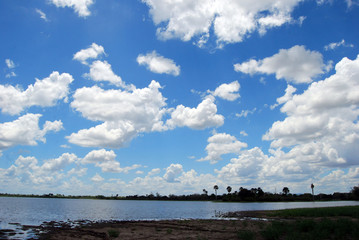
(203,116)
(80,6)
(220,144)
(232,20)
(296,65)
(44,93)
(124,113)
(25,131)
(323,118)
(92,52)
(158,64)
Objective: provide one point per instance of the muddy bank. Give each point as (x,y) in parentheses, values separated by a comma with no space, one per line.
(169,229)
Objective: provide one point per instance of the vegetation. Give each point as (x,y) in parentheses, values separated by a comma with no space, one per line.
(347,211)
(243,194)
(313,223)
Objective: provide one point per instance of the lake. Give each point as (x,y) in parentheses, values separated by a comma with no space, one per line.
(34,211)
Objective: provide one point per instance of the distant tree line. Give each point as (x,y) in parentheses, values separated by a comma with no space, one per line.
(242,195)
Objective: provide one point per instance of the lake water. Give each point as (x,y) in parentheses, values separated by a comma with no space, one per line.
(34,211)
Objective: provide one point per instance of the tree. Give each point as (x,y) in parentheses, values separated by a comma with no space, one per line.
(205,191)
(215,187)
(229,189)
(285,191)
(355,192)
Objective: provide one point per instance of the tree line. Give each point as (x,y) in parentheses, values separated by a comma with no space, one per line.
(242,194)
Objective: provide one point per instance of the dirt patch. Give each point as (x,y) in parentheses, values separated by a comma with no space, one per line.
(172,229)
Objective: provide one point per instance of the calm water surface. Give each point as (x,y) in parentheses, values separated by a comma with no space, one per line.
(34,211)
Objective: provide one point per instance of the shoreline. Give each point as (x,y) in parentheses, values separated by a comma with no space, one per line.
(231,225)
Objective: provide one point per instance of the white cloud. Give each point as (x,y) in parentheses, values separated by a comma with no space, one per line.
(245,113)
(154,171)
(232,21)
(101,155)
(287,96)
(220,144)
(334,45)
(11,74)
(203,116)
(323,118)
(97,178)
(158,64)
(228,91)
(102,71)
(93,52)
(25,131)
(106,160)
(59,163)
(296,65)
(42,15)
(9,63)
(172,172)
(44,93)
(80,6)
(124,114)
(246,166)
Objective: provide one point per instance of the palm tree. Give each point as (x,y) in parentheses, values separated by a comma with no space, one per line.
(312,187)
(205,191)
(215,187)
(285,190)
(229,189)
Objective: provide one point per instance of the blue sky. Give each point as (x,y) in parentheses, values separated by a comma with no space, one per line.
(133,97)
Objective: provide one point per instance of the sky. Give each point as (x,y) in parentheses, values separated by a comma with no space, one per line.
(172,97)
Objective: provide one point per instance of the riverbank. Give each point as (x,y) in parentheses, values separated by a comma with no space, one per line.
(319,223)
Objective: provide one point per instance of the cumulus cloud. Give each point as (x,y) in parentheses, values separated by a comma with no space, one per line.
(25,131)
(158,64)
(322,121)
(203,116)
(287,96)
(92,52)
(172,172)
(220,144)
(102,71)
(81,7)
(232,21)
(106,161)
(124,114)
(246,166)
(296,65)
(228,91)
(334,45)
(97,178)
(44,93)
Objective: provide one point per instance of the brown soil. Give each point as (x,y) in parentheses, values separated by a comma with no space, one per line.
(171,229)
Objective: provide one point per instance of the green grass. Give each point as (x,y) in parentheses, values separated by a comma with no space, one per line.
(113,233)
(311,229)
(245,235)
(347,211)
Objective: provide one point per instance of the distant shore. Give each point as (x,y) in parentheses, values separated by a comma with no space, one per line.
(319,223)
